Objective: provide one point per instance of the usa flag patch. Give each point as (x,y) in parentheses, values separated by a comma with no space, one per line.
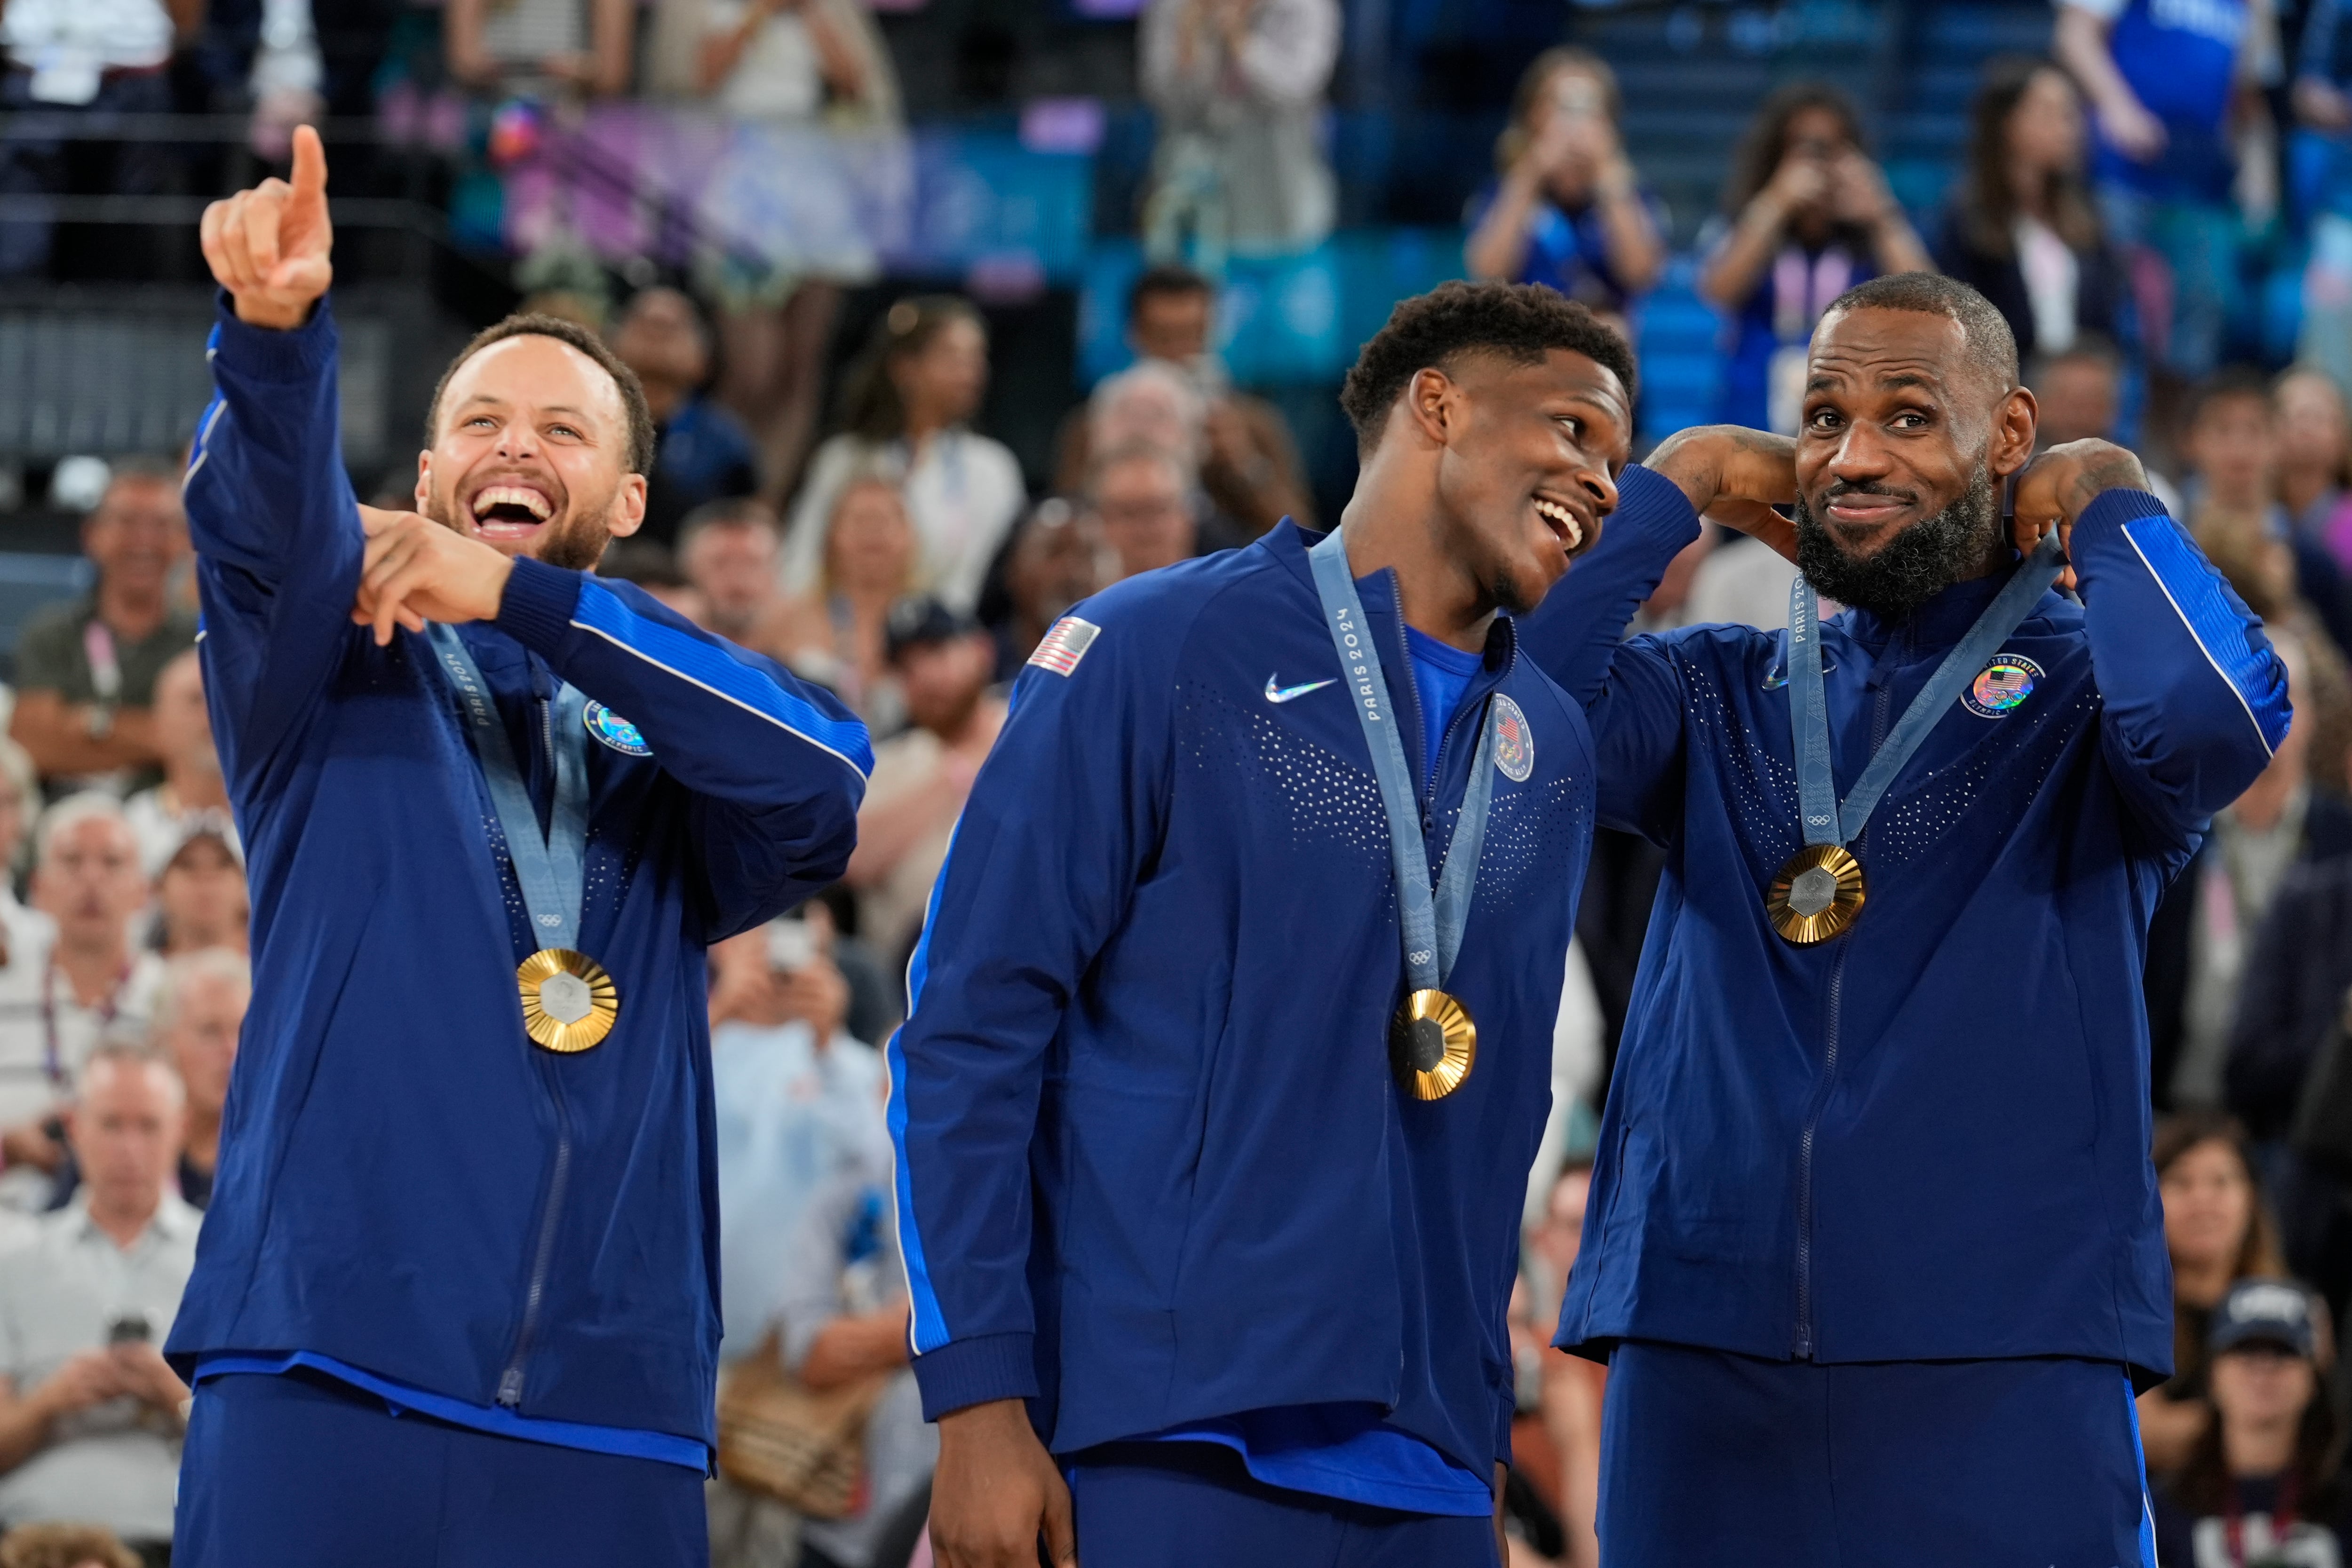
(1066,645)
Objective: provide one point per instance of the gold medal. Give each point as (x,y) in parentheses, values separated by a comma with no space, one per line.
(1432,1044)
(569,1002)
(1817,894)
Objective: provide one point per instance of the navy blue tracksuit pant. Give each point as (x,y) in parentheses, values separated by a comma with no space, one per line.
(305,1472)
(1708,1457)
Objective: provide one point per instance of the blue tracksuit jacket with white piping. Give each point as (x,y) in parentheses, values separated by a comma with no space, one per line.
(1152,1168)
(1927,1138)
(407,1186)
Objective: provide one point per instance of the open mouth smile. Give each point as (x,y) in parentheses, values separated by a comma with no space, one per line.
(510,511)
(1564,524)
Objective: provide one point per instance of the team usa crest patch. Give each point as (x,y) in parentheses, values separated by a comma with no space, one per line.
(615,731)
(1066,645)
(1515,742)
(2001,686)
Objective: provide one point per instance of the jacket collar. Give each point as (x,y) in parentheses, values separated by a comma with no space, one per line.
(1289,544)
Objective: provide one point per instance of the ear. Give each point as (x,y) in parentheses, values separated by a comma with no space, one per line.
(1432,404)
(628,512)
(2010,447)
(423,478)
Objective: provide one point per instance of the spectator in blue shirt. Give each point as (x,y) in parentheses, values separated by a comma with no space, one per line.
(1811,216)
(702,454)
(1568,209)
(2173,85)
(2021,229)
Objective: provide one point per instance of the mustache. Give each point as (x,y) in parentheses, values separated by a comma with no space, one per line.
(1842,488)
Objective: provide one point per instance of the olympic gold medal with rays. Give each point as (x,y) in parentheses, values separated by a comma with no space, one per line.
(569,1002)
(1432,1044)
(1816,895)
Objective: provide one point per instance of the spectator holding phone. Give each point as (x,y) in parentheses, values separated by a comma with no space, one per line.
(90,1415)
(798,1103)
(1568,210)
(1811,215)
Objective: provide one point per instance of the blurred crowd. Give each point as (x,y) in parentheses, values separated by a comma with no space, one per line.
(2136,202)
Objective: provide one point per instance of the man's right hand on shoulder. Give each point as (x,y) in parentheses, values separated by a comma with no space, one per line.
(268,247)
(997,1491)
(1735,477)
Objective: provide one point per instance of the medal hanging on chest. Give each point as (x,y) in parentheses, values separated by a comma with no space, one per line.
(1819,891)
(569,1002)
(1433,1041)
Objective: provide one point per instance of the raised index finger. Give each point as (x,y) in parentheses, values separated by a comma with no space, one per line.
(310,165)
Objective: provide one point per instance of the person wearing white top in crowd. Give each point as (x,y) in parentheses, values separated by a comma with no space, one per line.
(90,1416)
(91,58)
(798,81)
(192,797)
(906,406)
(1239,86)
(550,47)
(89,980)
(798,1102)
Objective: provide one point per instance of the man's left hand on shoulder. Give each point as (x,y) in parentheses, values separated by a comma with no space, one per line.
(2058,487)
(416,570)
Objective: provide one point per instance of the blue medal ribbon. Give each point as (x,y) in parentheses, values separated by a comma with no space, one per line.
(1433,918)
(1825,820)
(550,867)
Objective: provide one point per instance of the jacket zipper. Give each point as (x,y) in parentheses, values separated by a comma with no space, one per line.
(543,1254)
(1834,1011)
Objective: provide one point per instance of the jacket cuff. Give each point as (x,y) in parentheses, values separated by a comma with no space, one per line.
(269,354)
(2099,532)
(974,1371)
(536,611)
(2106,518)
(1653,507)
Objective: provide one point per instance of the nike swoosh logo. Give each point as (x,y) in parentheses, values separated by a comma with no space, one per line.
(1275,694)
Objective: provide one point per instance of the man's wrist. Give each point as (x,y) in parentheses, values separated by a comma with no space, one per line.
(272,317)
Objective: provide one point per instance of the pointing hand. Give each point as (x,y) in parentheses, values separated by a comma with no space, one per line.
(268,247)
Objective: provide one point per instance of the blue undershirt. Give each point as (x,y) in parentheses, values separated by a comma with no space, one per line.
(1348,1451)
(1441,674)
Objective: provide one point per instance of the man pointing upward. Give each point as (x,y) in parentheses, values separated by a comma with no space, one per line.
(454,1301)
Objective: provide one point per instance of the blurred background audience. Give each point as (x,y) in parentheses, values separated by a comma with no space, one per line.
(951,313)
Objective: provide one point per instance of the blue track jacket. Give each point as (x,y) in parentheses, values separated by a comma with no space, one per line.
(1927,1138)
(1152,1169)
(407,1185)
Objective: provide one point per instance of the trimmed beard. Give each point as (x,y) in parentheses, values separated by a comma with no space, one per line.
(1915,565)
(575,544)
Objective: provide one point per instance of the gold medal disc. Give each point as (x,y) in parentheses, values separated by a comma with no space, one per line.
(1816,895)
(569,1002)
(1432,1044)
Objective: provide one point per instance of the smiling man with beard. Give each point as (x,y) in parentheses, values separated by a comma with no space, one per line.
(1873,1246)
(454,1301)
(1213,1115)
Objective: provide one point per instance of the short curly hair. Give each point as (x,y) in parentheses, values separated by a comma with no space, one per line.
(639,458)
(1521,322)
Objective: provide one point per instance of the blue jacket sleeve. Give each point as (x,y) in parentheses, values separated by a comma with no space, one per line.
(774,768)
(275,530)
(2192,698)
(1064,816)
(1630,690)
